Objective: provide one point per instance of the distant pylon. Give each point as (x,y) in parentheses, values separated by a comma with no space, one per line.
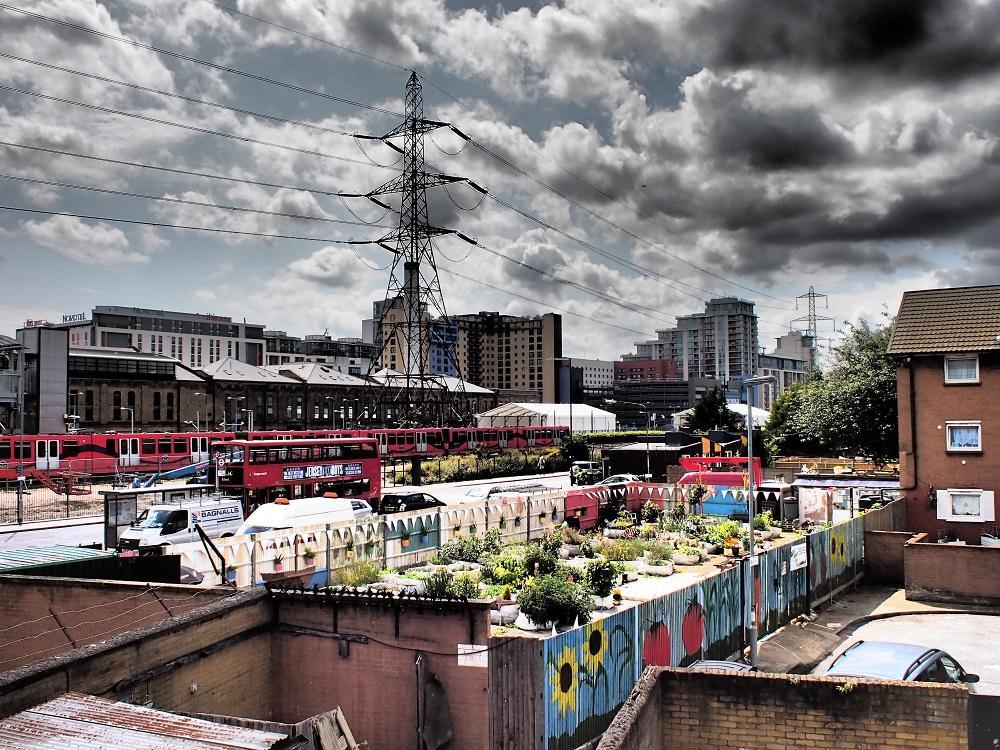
(812,320)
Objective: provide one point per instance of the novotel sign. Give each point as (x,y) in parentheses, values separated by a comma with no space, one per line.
(77,318)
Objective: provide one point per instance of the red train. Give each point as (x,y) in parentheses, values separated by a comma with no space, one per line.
(109,453)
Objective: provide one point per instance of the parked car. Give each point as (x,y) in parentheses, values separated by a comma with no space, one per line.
(585,472)
(898,661)
(620,479)
(486,491)
(720,665)
(399,502)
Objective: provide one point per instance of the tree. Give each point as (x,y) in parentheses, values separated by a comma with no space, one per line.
(711,412)
(850,410)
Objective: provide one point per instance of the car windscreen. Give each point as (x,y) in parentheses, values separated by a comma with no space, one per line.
(152,519)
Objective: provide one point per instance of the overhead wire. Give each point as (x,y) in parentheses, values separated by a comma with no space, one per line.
(173,170)
(184,126)
(198,61)
(184,201)
(165,225)
(182,97)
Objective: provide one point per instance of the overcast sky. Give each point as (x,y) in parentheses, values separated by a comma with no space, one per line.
(693,147)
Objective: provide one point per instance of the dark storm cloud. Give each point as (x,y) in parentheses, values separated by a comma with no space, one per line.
(937,40)
(978,267)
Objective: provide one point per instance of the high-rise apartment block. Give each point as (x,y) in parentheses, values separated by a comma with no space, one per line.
(719,343)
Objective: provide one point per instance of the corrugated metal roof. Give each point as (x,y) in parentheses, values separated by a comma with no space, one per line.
(83,722)
(36,557)
(930,321)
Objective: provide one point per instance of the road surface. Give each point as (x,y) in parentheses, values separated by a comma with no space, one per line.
(449,492)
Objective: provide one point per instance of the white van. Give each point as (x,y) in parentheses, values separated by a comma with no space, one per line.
(304,511)
(174,523)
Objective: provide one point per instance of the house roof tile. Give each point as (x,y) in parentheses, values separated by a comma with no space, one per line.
(931,321)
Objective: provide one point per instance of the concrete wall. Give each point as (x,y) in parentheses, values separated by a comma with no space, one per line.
(884,556)
(375,682)
(34,612)
(952,572)
(923,460)
(214,659)
(682,710)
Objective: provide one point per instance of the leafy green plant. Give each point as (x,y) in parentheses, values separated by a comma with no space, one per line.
(659,553)
(623,521)
(696,493)
(587,548)
(602,575)
(651,512)
(621,550)
(503,569)
(464,586)
(687,550)
(470,548)
(539,561)
(551,542)
(553,599)
(358,574)
(762,521)
(723,531)
(436,584)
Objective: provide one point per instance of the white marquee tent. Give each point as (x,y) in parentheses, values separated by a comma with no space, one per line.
(585,418)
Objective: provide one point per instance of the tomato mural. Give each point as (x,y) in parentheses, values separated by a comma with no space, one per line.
(693,629)
(656,646)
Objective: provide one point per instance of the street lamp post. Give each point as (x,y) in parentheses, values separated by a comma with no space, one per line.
(197,412)
(249,413)
(751,492)
(235,415)
(645,410)
(131,416)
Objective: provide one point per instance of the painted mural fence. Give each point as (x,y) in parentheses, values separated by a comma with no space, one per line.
(587,672)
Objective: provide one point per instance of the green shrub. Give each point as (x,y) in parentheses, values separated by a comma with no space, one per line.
(553,599)
(720,532)
(436,585)
(539,561)
(762,521)
(602,575)
(464,586)
(659,553)
(358,574)
(551,542)
(469,548)
(587,548)
(621,550)
(503,569)
(651,512)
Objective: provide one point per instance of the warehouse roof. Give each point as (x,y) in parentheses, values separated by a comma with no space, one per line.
(930,321)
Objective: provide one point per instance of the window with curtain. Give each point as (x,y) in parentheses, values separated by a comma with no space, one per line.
(964,437)
(966,503)
(961,370)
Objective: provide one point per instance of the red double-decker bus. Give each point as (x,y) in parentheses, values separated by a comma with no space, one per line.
(260,471)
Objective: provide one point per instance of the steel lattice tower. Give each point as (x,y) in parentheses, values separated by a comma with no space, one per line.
(417,395)
(811,319)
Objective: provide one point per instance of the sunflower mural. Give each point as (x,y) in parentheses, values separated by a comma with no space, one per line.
(565,677)
(595,648)
(838,549)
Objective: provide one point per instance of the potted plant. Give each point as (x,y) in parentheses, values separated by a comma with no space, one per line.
(687,555)
(349,549)
(602,576)
(231,573)
(571,541)
(279,561)
(551,599)
(517,521)
(651,512)
(308,554)
(659,560)
(404,541)
(732,546)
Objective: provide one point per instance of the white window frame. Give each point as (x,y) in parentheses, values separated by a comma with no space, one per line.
(962,423)
(987,507)
(958,381)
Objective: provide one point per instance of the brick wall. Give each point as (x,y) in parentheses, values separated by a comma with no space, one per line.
(952,572)
(884,556)
(222,647)
(375,682)
(89,610)
(757,711)
(923,460)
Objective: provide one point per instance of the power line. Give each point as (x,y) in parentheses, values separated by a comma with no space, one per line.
(198,61)
(173,170)
(191,99)
(537,302)
(164,225)
(184,126)
(203,204)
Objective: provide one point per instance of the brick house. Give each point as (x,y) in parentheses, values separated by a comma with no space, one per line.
(946,346)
